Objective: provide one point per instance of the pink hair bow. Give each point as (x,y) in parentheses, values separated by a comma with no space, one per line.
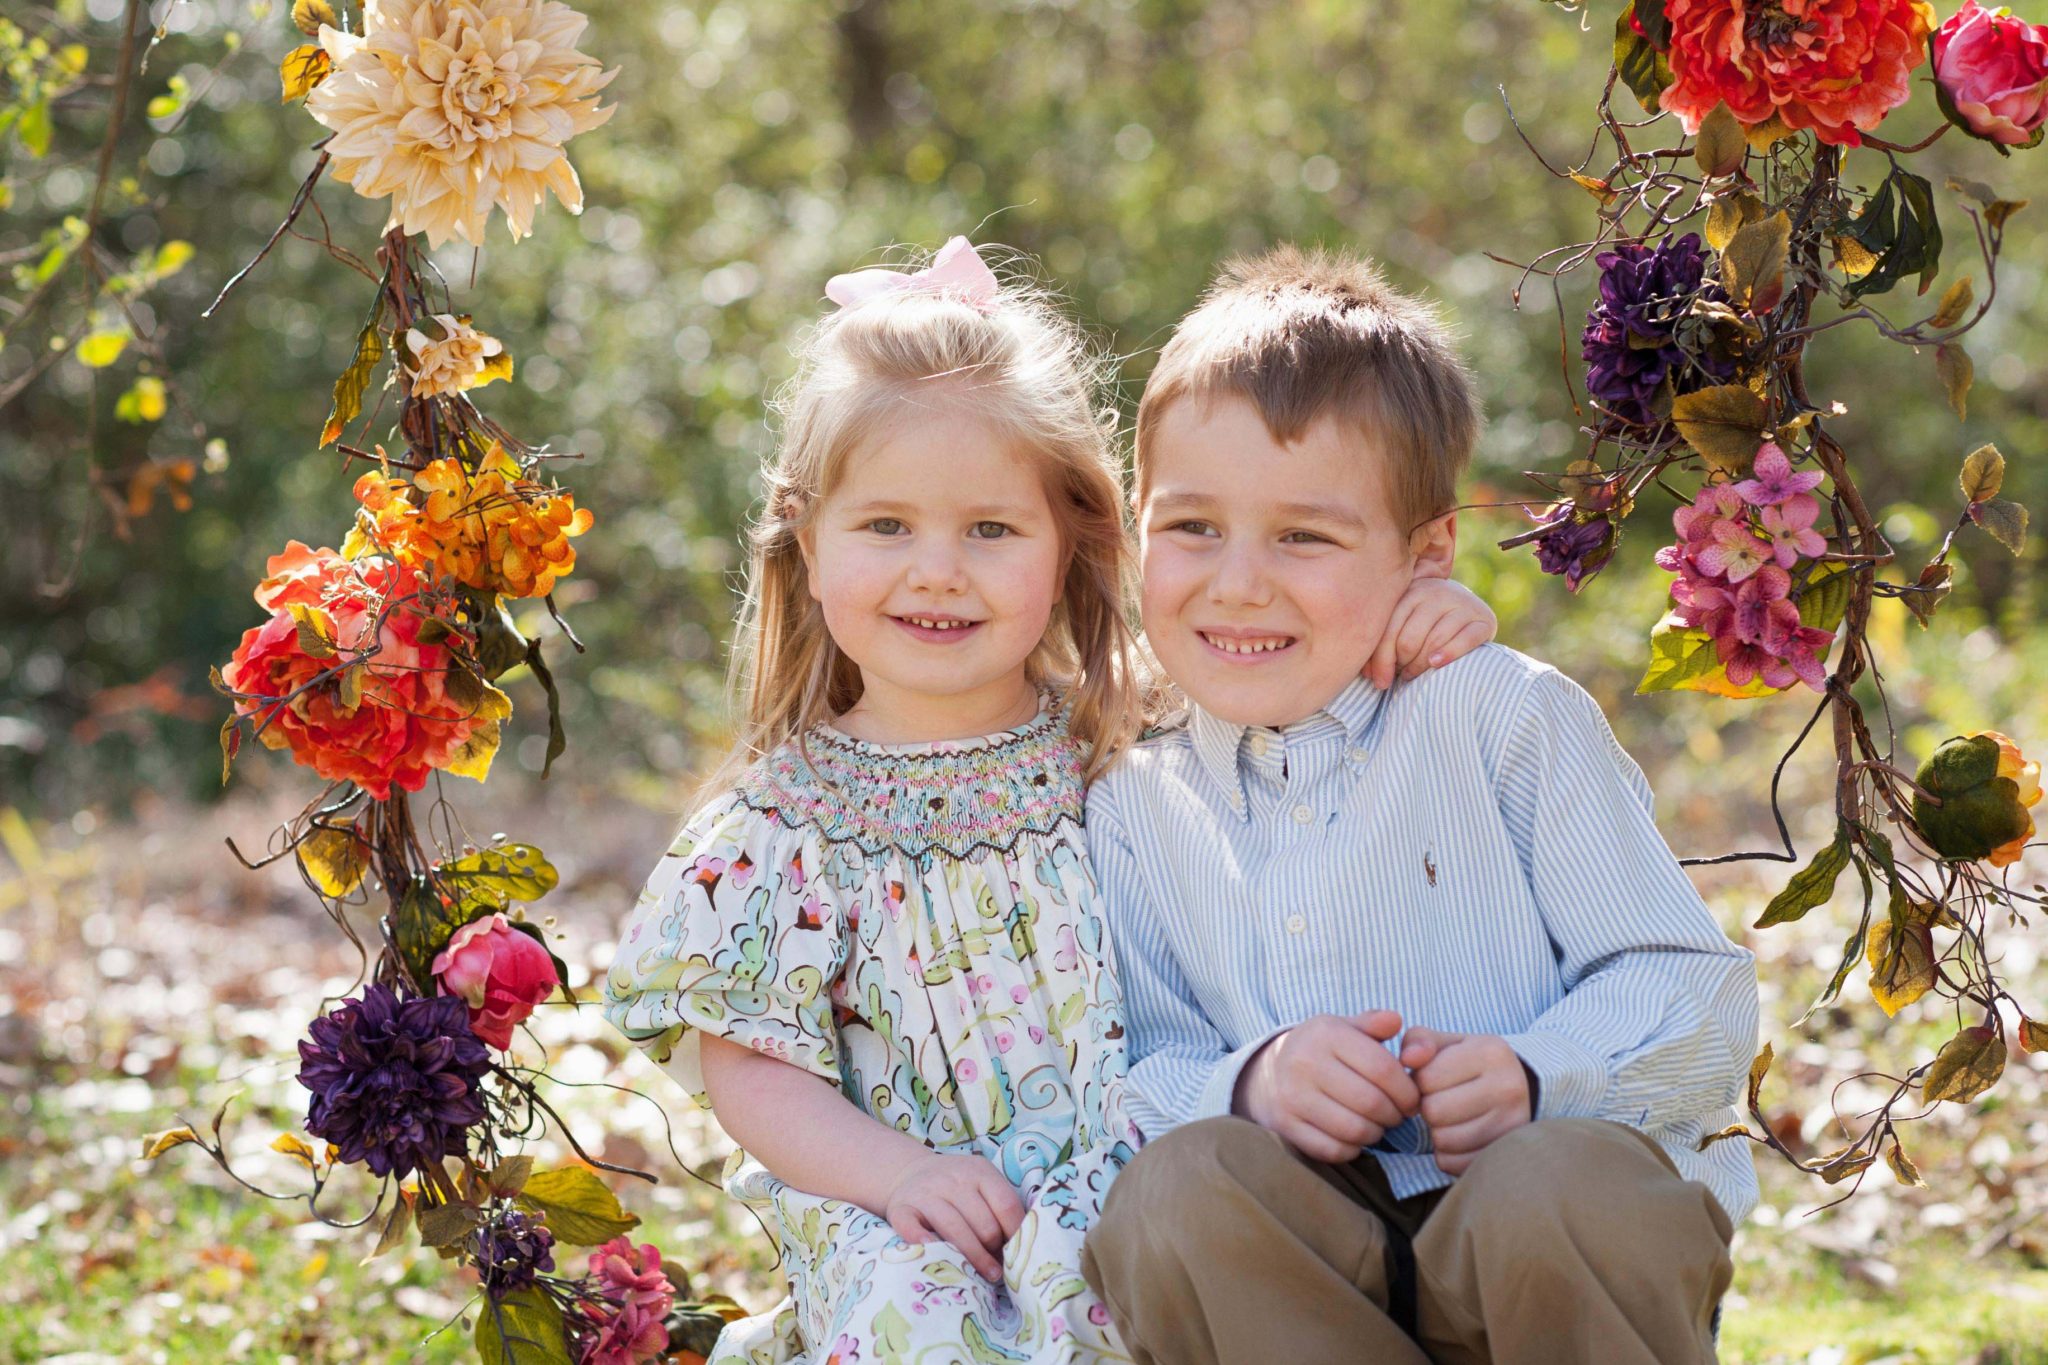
(957,269)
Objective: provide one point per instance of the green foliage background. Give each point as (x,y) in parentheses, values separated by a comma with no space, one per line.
(759,148)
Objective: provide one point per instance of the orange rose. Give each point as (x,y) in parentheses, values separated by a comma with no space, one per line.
(339,677)
(1835,66)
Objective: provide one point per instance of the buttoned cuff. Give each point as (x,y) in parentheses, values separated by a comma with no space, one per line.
(1571,1079)
(1218,1094)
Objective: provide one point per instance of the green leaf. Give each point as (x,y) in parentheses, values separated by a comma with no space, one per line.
(1983,473)
(1643,68)
(395,1227)
(35,128)
(1725,423)
(580,1209)
(1721,147)
(1967,1066)
(1899,228)
(335,859)
(523,1328)
(1824,601)
(1811,885)
(423,925)
(558,738)
(349,389)
(1852,948)
(444,1225)
(2004,521)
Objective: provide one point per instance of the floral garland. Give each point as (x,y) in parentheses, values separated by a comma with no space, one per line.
(1713,251)
(377,667)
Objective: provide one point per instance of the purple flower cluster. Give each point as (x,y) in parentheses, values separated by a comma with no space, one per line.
(1576,549)
(511,1252)
(1630,344)
(1737,544)
(394,1080)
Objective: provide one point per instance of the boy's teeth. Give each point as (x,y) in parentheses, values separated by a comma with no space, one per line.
(1248,646)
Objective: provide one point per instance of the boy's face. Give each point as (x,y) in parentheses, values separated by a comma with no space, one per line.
(1270,570)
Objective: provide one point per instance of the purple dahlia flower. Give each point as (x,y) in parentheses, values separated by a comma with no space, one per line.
(511,1253)
(394,1081)
(1630,344)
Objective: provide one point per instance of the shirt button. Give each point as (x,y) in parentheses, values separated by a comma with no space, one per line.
(1258,746)
(1359,755)
(1296,924)
(1303,814)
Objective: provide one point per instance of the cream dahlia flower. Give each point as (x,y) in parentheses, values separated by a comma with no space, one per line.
(459,358)
(453,107)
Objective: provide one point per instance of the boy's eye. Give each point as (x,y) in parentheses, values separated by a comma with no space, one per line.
(884,526)
(991,530)
(1193,527)
(1304,538)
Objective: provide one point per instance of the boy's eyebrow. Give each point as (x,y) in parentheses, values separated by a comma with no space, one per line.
(1170,504)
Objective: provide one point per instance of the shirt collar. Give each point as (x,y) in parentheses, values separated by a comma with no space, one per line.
(1219,743)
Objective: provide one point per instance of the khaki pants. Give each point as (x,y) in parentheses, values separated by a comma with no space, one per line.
(1566,1240)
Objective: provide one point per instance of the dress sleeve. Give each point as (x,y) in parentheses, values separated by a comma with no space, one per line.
(733,936)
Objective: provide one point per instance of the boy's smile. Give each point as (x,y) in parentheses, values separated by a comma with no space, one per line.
(1270,570)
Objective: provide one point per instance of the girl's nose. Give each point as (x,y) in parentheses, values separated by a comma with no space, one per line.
(937,567)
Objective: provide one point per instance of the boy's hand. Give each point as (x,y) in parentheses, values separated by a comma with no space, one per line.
(1329,1086)
(1435,621)
(960,1199)
(1474,1091)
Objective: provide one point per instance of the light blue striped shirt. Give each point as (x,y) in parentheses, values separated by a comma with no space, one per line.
(1472,849)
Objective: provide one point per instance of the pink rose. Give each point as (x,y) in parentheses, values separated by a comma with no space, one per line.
(500,971)
(1992,72)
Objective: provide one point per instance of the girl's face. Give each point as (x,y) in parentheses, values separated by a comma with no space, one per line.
(937,561)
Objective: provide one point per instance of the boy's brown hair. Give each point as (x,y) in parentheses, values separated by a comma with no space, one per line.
(1308,334)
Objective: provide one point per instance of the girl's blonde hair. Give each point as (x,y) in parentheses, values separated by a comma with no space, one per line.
(1028,371)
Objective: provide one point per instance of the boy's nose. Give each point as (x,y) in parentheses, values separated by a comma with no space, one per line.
(1239,580)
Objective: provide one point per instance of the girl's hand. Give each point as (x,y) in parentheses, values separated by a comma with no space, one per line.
(1435,621)
(961,1200)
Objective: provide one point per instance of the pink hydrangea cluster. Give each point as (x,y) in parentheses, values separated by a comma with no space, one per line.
(629,1324)
(1737,545)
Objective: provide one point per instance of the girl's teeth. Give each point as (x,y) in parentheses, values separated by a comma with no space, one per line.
(937,625)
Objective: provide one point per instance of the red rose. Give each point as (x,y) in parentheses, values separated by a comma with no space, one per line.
(1835,66)
(1992,71)
(500,971)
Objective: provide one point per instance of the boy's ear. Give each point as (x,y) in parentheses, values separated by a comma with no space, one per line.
(1434,544)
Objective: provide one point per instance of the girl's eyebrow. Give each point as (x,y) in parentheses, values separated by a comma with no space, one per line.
(988,511)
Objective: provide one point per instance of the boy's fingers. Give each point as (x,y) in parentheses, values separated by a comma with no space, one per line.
(1377,1066)
(1460,1104)
(1356,1095)
(1380,1024)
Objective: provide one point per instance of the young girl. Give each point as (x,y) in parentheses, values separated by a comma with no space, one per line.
(877,953)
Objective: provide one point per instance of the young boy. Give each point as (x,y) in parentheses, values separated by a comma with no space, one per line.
(1426,1021)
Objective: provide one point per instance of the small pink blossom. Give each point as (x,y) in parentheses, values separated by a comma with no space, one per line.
(1735,553)
(967,1069)
(1775,482)
(1789,529)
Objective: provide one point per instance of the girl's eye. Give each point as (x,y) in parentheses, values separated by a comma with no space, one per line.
(990,530)
(885,526)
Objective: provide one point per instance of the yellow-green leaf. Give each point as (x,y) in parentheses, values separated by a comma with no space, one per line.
(171,257)
(156,1144)
(316,630)
(336,859)
(1725,424)
(2005,521)
(1983,473)
(509,872)
(1811,885)
(580,1209)
(1721,147)
(497,367)
(309,15)
(2033,1035)
(1967,1065)
(304,67)
(349,388)
(395,1228)
(1952,366)
(144,401)
(472,758)
(101,349)
(1955,302)
(1753,263)
(1728,214)
(446,1224)
(1854,259)
(523,1328)
(1901,965)
(1759,1065)
(1901,1164)
(296,1148)
(1996,212)
(1768,134)
(1682,658)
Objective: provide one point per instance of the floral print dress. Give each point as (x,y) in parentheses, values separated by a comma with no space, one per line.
(919,925)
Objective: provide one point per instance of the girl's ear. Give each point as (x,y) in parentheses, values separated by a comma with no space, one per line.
(1435,545)
(807,546)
